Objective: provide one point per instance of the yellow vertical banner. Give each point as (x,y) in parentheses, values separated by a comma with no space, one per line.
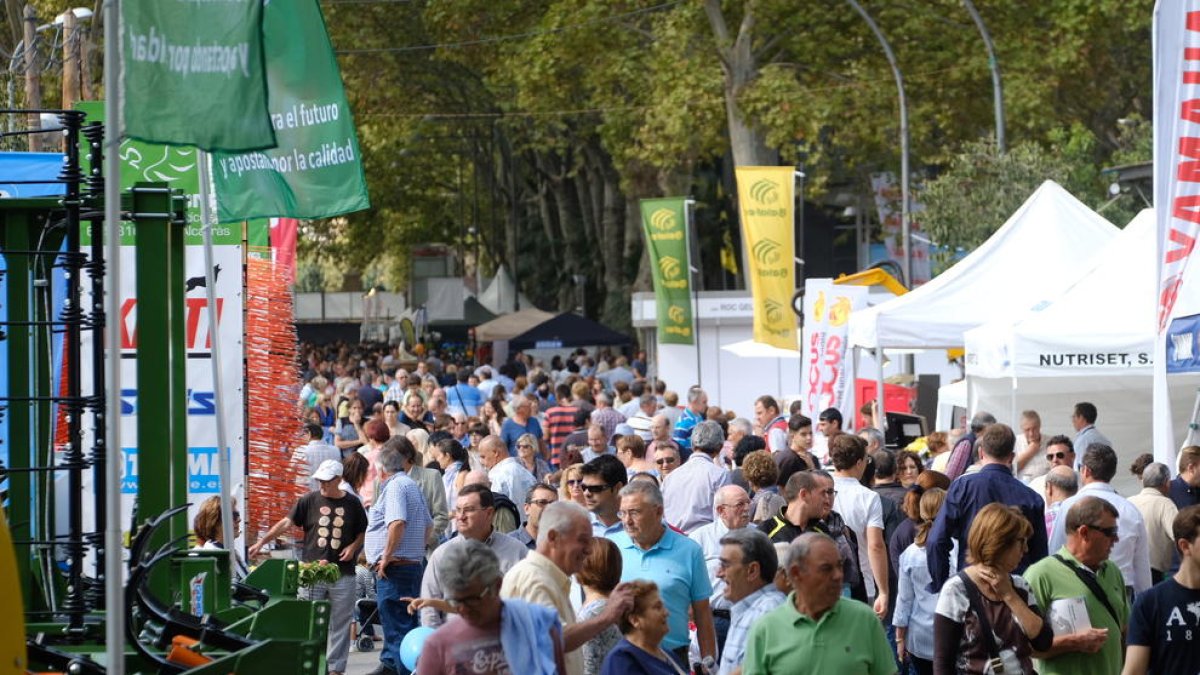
(765,200)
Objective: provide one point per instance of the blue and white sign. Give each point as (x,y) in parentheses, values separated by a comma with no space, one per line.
(203,473)
(1183,337)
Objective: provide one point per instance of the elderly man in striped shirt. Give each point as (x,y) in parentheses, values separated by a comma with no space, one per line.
(398,528)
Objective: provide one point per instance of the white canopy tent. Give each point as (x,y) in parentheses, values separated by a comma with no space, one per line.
(1094,343)
(501,296)
(1044,246)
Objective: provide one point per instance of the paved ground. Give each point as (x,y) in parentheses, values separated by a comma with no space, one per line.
(362,663)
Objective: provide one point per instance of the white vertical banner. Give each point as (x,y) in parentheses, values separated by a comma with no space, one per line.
(827,373)
(1176,181)
(203,470)
(887,203)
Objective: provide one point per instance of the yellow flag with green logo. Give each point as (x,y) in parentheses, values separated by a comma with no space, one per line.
(765,199)
(665,226)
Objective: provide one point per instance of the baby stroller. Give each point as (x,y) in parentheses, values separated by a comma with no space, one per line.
(366,609)
(366,614)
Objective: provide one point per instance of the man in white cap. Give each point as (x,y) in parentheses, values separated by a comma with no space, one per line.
(334,523)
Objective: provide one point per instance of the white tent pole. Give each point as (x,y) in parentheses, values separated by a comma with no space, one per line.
(210,292)
(851,372)
(114,573)
(880,419)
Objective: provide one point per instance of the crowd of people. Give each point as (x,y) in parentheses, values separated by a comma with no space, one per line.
(580,518)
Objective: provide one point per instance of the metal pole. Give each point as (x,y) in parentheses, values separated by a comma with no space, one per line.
(905,225)
(114,624)
(210,292)
(994,66)
(695,271)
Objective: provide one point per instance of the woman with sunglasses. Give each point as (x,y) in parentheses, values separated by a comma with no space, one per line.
(570,487)
(530,458)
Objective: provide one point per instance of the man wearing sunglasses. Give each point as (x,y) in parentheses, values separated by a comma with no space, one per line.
(603,478)
(1059,452)
(1082,569)
(1132,552)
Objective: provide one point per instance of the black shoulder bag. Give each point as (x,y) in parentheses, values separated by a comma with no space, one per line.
(985,625)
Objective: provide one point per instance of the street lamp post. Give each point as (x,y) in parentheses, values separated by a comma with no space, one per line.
(994,66)
(905,225)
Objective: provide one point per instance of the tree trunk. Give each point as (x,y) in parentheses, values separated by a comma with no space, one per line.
(740,68)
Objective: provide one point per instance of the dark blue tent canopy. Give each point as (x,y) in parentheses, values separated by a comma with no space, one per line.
(568,330)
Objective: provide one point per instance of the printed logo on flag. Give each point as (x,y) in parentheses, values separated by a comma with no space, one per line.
(663,220)
(670,267)
(766,252)
(676,314)
(765,192)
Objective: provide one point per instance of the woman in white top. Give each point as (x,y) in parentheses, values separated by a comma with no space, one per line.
(915,605)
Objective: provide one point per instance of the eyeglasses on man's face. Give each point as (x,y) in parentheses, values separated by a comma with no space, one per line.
(665,460)
(596,489)
(471,600)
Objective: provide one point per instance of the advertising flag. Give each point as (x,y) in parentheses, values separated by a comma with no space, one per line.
(316,170)
(194,74)
(827,308)
(765,199)
(665,226)
(1176,144)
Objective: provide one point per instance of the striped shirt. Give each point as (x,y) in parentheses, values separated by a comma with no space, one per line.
(743,614)
(399,498)
(560,422)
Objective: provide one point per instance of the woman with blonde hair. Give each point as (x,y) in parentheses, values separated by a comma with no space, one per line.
(570,486)
(420,440)
(915,605)
(987,619)
(530,458)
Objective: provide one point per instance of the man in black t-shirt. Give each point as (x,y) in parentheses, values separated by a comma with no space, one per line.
(334,523)
(1164,629)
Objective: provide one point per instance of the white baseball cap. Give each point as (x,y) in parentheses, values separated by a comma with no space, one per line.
(329,469)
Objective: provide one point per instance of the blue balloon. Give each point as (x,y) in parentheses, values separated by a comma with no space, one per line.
(410,648)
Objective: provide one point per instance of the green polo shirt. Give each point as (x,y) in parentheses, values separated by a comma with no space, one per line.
(1050,580)
(846,640)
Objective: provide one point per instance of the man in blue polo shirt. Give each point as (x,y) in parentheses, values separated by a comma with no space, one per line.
(652,552)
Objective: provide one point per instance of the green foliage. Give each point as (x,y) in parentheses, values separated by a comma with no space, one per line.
(532,128)
(981,188)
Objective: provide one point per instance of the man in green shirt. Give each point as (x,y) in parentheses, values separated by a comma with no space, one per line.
(817,630)
(1091,526)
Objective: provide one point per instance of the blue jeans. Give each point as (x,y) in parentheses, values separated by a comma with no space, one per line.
(399,581)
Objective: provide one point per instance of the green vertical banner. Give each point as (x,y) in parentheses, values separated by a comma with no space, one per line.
(316,170)
(665,226)
(194,74)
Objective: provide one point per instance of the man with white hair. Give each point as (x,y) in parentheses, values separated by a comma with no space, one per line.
(522,422)
(544,577)
(486,384)
(1159,512)
(733,513)
(642,421)
(605,416)
(505,472)
(689,490)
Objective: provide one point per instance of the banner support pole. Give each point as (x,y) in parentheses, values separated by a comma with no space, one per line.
(114,624)
(210,293)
